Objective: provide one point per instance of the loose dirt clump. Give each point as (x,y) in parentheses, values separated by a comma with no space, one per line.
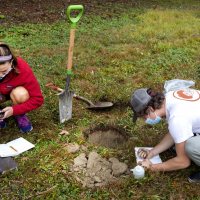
(72,148)
(95,171)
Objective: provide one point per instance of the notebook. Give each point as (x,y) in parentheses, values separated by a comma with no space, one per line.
(15,147)
(154,160)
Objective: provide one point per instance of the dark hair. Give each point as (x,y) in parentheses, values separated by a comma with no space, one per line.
(5,51)
(157,99)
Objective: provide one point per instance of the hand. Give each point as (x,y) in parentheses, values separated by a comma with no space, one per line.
(145,163)
(8,111)
(150,154)
(143,153)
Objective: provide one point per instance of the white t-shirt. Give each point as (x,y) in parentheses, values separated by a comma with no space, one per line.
(183,113)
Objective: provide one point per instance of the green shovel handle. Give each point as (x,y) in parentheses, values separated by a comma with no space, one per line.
(74,20)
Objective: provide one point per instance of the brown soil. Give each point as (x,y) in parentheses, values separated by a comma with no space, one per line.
(39,11)
(108,138)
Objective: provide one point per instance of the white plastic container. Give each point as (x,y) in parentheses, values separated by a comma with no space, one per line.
(138,172)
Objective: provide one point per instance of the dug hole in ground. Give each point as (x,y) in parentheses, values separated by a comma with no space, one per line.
(92,170)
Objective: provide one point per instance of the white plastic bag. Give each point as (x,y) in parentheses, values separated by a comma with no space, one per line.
(177,84)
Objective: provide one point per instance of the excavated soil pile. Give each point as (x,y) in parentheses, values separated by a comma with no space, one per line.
(93,170)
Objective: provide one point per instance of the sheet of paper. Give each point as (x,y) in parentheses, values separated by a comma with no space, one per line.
(154,160)
(6,151)
(20,145)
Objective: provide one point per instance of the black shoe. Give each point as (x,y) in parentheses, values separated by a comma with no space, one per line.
(194,178)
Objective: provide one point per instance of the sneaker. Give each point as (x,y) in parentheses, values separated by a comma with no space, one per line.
(2,123)
(23,123)
(194,178)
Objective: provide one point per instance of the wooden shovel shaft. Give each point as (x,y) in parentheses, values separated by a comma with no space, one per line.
(71,48)
(54,87)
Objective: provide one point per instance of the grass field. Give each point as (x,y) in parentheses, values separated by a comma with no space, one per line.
(115,53)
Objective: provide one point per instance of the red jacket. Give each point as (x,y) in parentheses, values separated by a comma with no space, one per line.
(26,79)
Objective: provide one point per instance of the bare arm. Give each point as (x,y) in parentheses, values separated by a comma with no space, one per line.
(181,161)
(165,144)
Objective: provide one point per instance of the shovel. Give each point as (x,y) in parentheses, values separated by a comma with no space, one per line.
(94,106)
(91,105)
(66,96)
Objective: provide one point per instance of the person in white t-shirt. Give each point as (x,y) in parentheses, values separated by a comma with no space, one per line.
(181,109)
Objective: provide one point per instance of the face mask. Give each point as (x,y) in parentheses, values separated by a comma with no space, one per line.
(153,121)
(2,77)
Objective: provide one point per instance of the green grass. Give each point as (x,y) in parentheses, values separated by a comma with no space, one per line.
(139,46)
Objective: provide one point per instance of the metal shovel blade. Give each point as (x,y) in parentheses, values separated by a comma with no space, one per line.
(65,105)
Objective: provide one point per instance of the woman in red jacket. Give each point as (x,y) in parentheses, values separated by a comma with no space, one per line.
(18,84)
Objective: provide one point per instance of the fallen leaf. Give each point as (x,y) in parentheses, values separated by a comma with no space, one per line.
(64,132)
